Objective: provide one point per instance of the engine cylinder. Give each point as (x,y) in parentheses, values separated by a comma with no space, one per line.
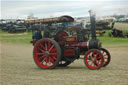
(94,44)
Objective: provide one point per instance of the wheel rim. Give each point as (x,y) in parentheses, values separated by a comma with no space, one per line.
(45,54)
(94,59)
(106,56)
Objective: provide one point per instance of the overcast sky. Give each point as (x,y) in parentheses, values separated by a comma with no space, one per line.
(12,9)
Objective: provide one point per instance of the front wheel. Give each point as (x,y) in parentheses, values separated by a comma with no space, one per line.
(94,59)
(47,53)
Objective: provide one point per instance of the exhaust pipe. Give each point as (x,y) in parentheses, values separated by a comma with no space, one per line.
(94,43)
(93,24)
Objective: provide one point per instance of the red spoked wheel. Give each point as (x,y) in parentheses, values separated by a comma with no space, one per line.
(107,56)
(60,37)
(47,53)
(94,59)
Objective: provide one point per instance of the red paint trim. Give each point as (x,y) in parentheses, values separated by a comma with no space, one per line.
(69,52)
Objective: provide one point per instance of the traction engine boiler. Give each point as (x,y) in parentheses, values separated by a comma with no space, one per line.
(61,44)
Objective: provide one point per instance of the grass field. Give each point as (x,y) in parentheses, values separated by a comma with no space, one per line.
(22,38)
(25,38)
(122,22)
(17,66)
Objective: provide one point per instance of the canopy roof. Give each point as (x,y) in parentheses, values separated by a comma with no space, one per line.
(51,20)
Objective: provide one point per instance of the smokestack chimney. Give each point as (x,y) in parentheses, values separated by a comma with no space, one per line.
(93,24)
(93,43)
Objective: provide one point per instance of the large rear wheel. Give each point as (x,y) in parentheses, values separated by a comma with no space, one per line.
(94,59)
(47,53)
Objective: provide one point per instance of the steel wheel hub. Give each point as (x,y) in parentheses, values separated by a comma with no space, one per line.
(46,53)
(93,59)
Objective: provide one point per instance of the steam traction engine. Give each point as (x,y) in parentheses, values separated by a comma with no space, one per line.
(60,44)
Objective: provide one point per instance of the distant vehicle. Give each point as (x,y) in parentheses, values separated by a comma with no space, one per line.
(103,25)
(14,27)
(2,23)
(117,33)
(17,29)
(6,27)
(100,33)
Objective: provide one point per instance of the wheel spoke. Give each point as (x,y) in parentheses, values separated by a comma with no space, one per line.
(54,58)
(51,48)
(89,60)
(40,53)
(43,60)
(41,57)
(98,58)
(51,59)
(93,55)
(92,60)
(40,49)
(47,60)
(49,45)
(42,46)
(53,54)
(96,61)
(46,47)
(92,64)
(96,54)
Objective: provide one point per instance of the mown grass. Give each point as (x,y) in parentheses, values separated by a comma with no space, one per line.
(2,32)
(18,38)
(107,39)
(122,22)
(113,41)
(25,38)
